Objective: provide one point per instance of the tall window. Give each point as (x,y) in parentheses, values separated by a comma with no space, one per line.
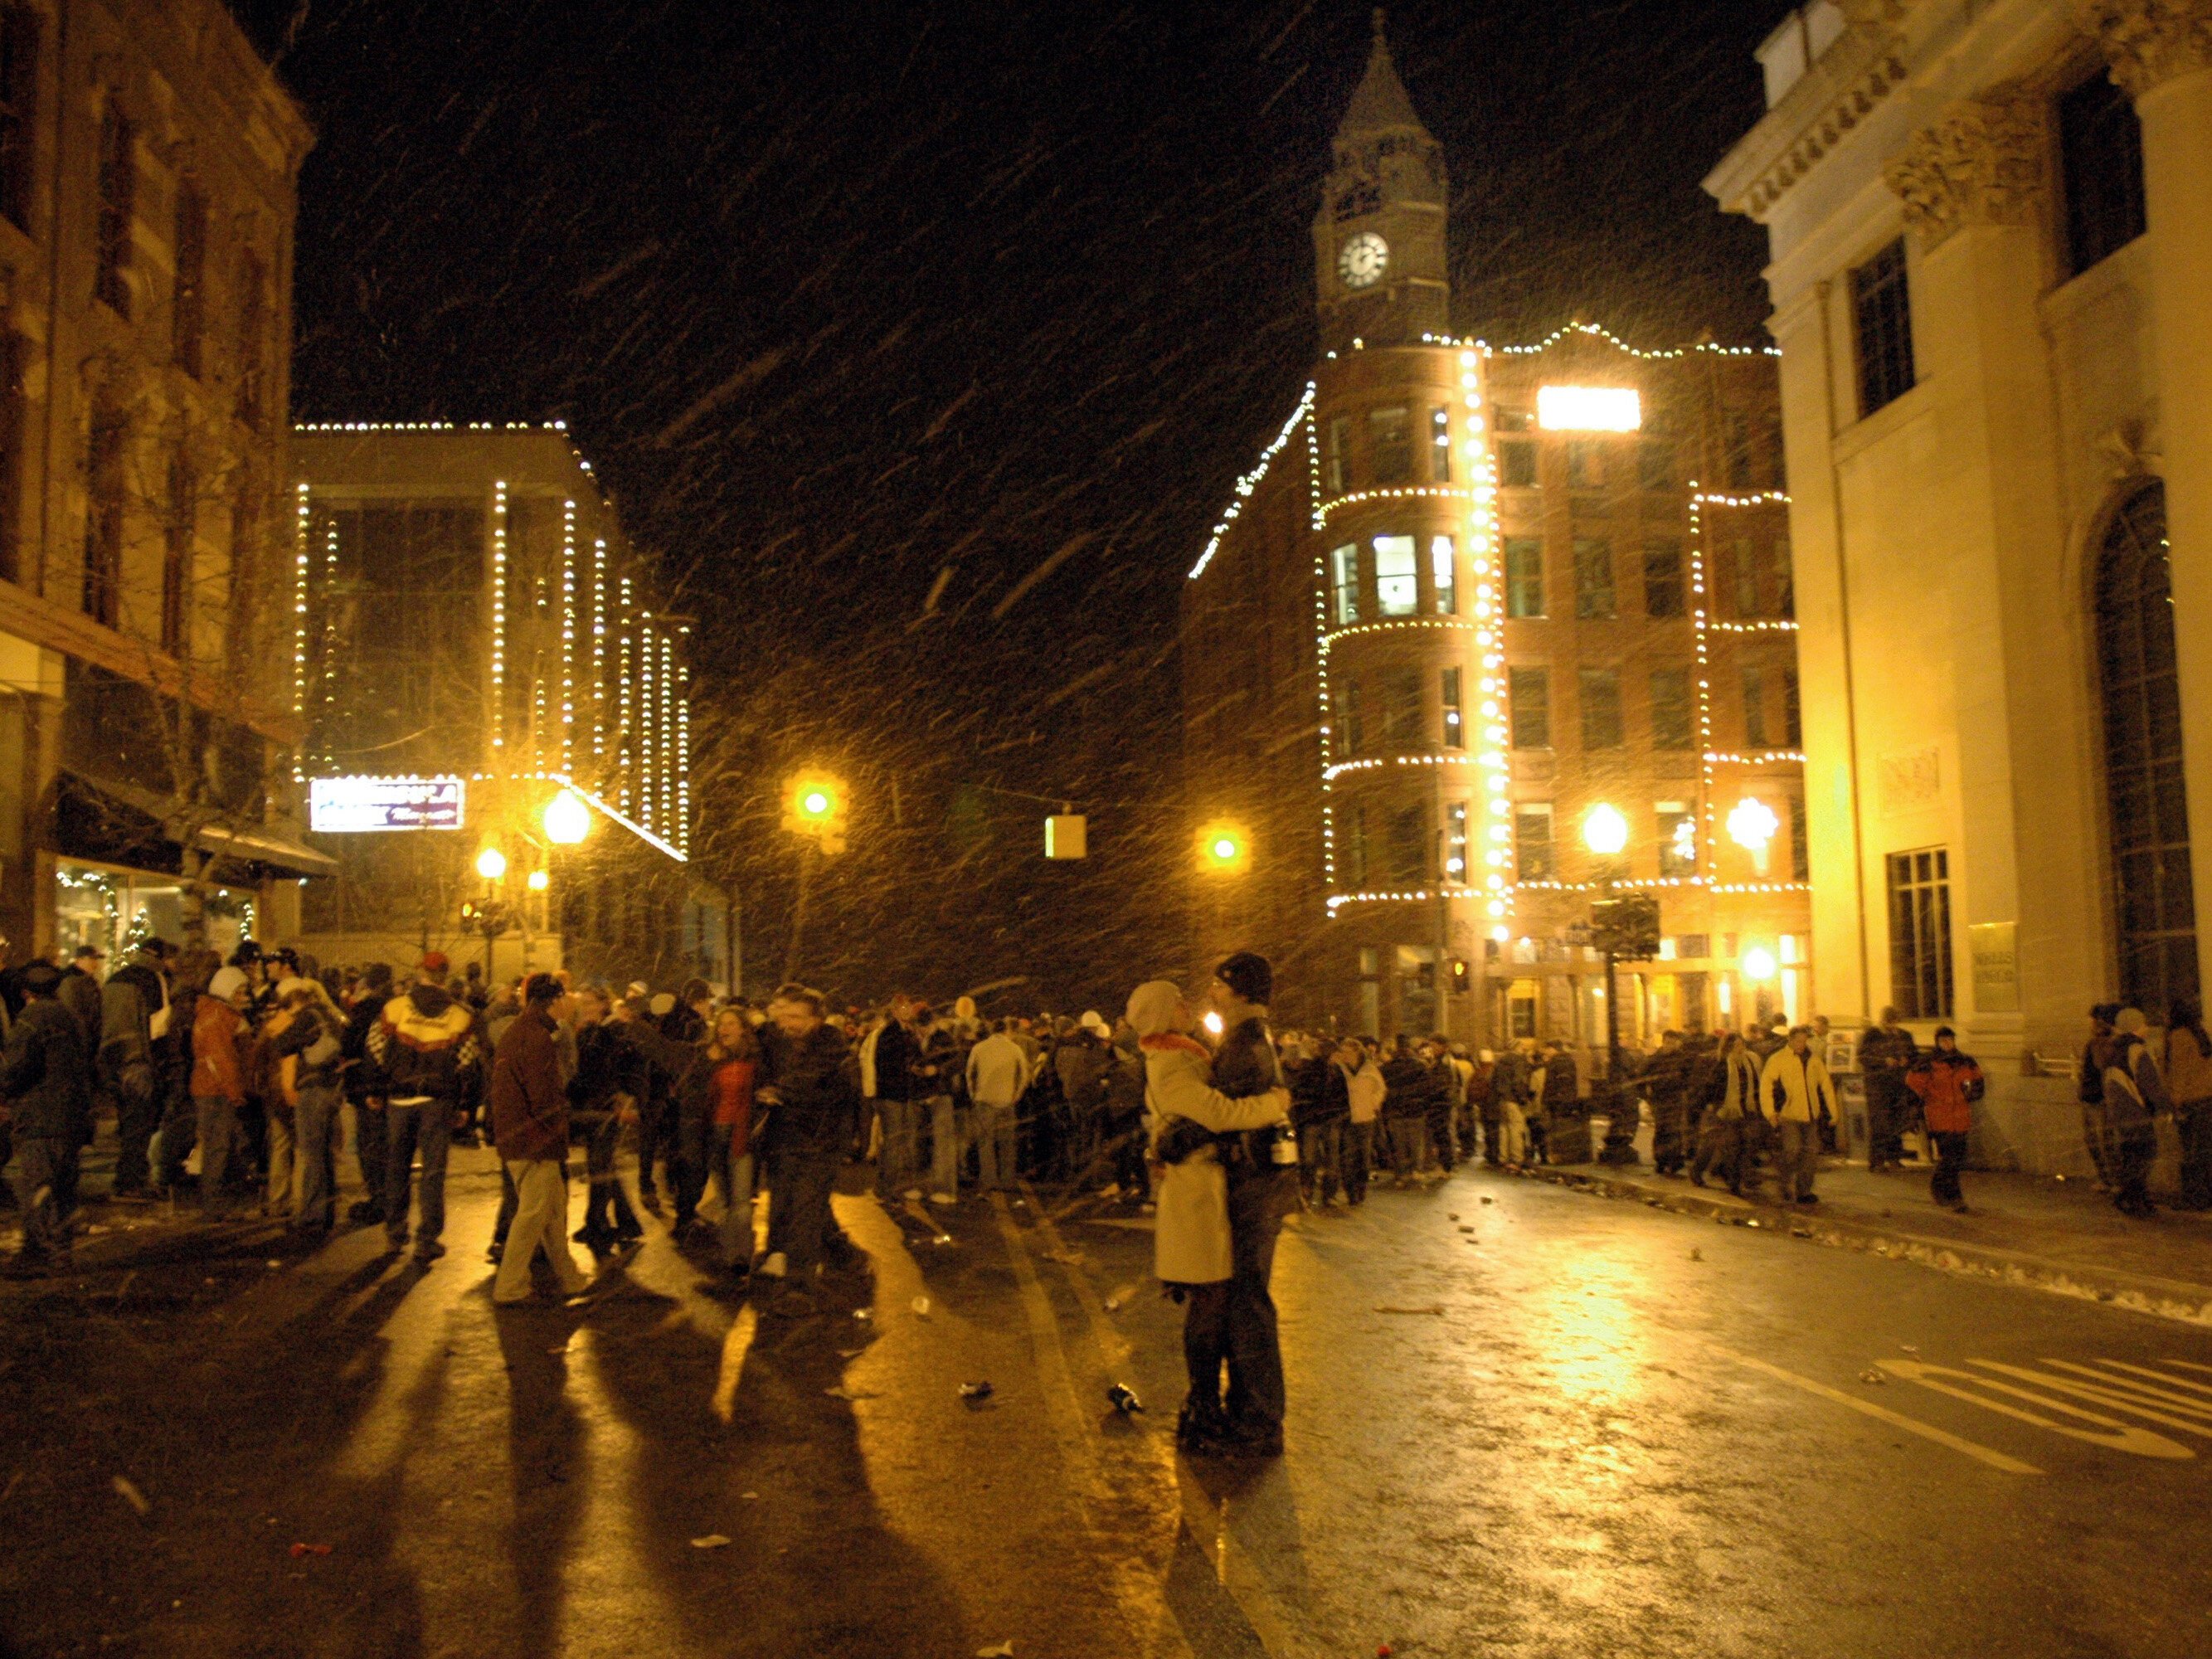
(1784,578)
(103,523)
(1677,839)
(1672,723)
(253,337)
(1920,934)
(1600,700)
(1736,447)
(1754,708)
(1743,566)
(1516,463)
(1455,711)
(1585,463)
(1336,460)
(118,189)
(1524,576)
(2100,159)
(1529,691)
(1402,725)
(1532,840)
(1355,846)
(1439,447)
(1390,444)
(1792,714)
(1456,841)
(2148,813)
(1444,575)
(1397,576)
(1881,314)
(176,553)
(1594,596)
(1344,584)
(189,323)
(20,28)
(1663,579)
(12,353)
(1351,717)
(1654,462)
(1409,850)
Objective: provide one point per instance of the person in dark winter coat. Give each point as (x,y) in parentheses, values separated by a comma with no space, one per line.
(364,1090)
(1321,1111)
(530,1125)
(1262,1183)
(2096,1056)
(2134,1098)
(1947,1083)
(132,1003)
(47,1086)
(427,1048)
(307,1041)
(1668,1080)
(1886,1054)
(810,1087)
(603,1095)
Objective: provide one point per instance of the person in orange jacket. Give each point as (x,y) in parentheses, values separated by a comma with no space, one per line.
(1947,1082)
(219,1034)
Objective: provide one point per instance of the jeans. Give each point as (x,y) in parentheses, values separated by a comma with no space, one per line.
(948,1147)
(607,1213)
(1359,1159)
(218,1136)
(899,1162)
(541,1223)
(687,1164)
(733,1166)
(428,1125)
(282,1140)
(315,1124)
(2193,1119)
(370,1150)
(136,1114)
(1205,1351)
(1796,1157)
(995,1129)
(1409,1145)
(1320,1149)
(1258,1200)
(39,1163)
(800,1219)
(1720,1147)
(2096,1135)
(1885,1116)
(1950,1158)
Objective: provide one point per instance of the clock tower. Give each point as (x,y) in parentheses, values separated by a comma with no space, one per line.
(1379,236)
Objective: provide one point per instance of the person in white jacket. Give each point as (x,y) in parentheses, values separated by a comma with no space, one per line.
(1192,1245)
(998,1073)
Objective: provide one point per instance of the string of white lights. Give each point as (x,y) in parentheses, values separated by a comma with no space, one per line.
(1250,481)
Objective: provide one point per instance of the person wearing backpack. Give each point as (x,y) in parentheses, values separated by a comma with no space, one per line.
(307,1041)
(2135,1093)
(1947,1083)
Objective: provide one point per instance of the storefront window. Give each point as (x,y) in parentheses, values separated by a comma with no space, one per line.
(116,909)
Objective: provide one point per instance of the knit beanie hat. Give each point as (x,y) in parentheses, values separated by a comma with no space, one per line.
(1249,975)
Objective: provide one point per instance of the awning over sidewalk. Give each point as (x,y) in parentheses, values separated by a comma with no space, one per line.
(113,823)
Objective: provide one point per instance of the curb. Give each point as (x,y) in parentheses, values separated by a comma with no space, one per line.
(2173,1299)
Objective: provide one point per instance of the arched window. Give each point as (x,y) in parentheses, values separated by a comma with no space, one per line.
(2145,799)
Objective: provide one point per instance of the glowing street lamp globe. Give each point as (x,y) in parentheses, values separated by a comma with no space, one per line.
(815,803)
(1604,831)
(539,881)
(1752,824)
(1758,965)
(491,864)
(567,819)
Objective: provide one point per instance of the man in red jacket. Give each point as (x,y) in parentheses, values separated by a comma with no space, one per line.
(1949,1083)
(530,1123)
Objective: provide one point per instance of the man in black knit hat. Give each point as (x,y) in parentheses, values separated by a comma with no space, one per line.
(1262,1167)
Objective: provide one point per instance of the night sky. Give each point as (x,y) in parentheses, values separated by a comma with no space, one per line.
(844,302)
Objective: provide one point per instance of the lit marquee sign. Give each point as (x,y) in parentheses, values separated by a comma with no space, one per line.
(353,805)
(1588,409)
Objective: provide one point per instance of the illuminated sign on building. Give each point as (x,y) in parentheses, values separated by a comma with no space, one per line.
(1588,409)
(352,805)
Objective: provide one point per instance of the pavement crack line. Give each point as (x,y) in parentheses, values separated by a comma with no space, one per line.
(1995,1460)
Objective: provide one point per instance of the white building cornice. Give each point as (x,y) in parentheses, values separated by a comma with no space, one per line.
(1827,102)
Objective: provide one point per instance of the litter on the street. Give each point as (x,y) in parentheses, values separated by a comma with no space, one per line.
(713,1540)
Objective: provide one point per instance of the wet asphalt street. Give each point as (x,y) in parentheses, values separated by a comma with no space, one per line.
(1545,1424)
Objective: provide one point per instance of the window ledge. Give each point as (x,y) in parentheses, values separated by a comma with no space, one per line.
(1900,411)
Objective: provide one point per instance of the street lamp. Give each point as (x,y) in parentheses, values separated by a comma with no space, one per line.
(1224,848)
(491,864)
(567,819)
(1604,831)
(539,881)
(1752,825)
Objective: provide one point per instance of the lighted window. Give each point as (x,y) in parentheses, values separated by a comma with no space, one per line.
(1336,463)
(1588,409)
(1601,700)
(1530,695)
(1516,463)
(1524,576)
(1920,934)
(1677,839)
(1593,595)
(1390,444)
(1672,715)
(1344,584)
(1882,315)
(1455,711)
(1439,447)
(1532,840)
(1663,579)
(1456,841)
(1397,577)
(1444,575)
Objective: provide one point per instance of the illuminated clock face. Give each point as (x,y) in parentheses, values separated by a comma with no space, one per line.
(1361,260)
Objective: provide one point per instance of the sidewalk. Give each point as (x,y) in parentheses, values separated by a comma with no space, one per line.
(2042,1231)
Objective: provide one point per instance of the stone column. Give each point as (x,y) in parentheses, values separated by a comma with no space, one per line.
(2160,52)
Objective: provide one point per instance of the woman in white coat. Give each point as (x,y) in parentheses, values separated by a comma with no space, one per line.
(1192,1242)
